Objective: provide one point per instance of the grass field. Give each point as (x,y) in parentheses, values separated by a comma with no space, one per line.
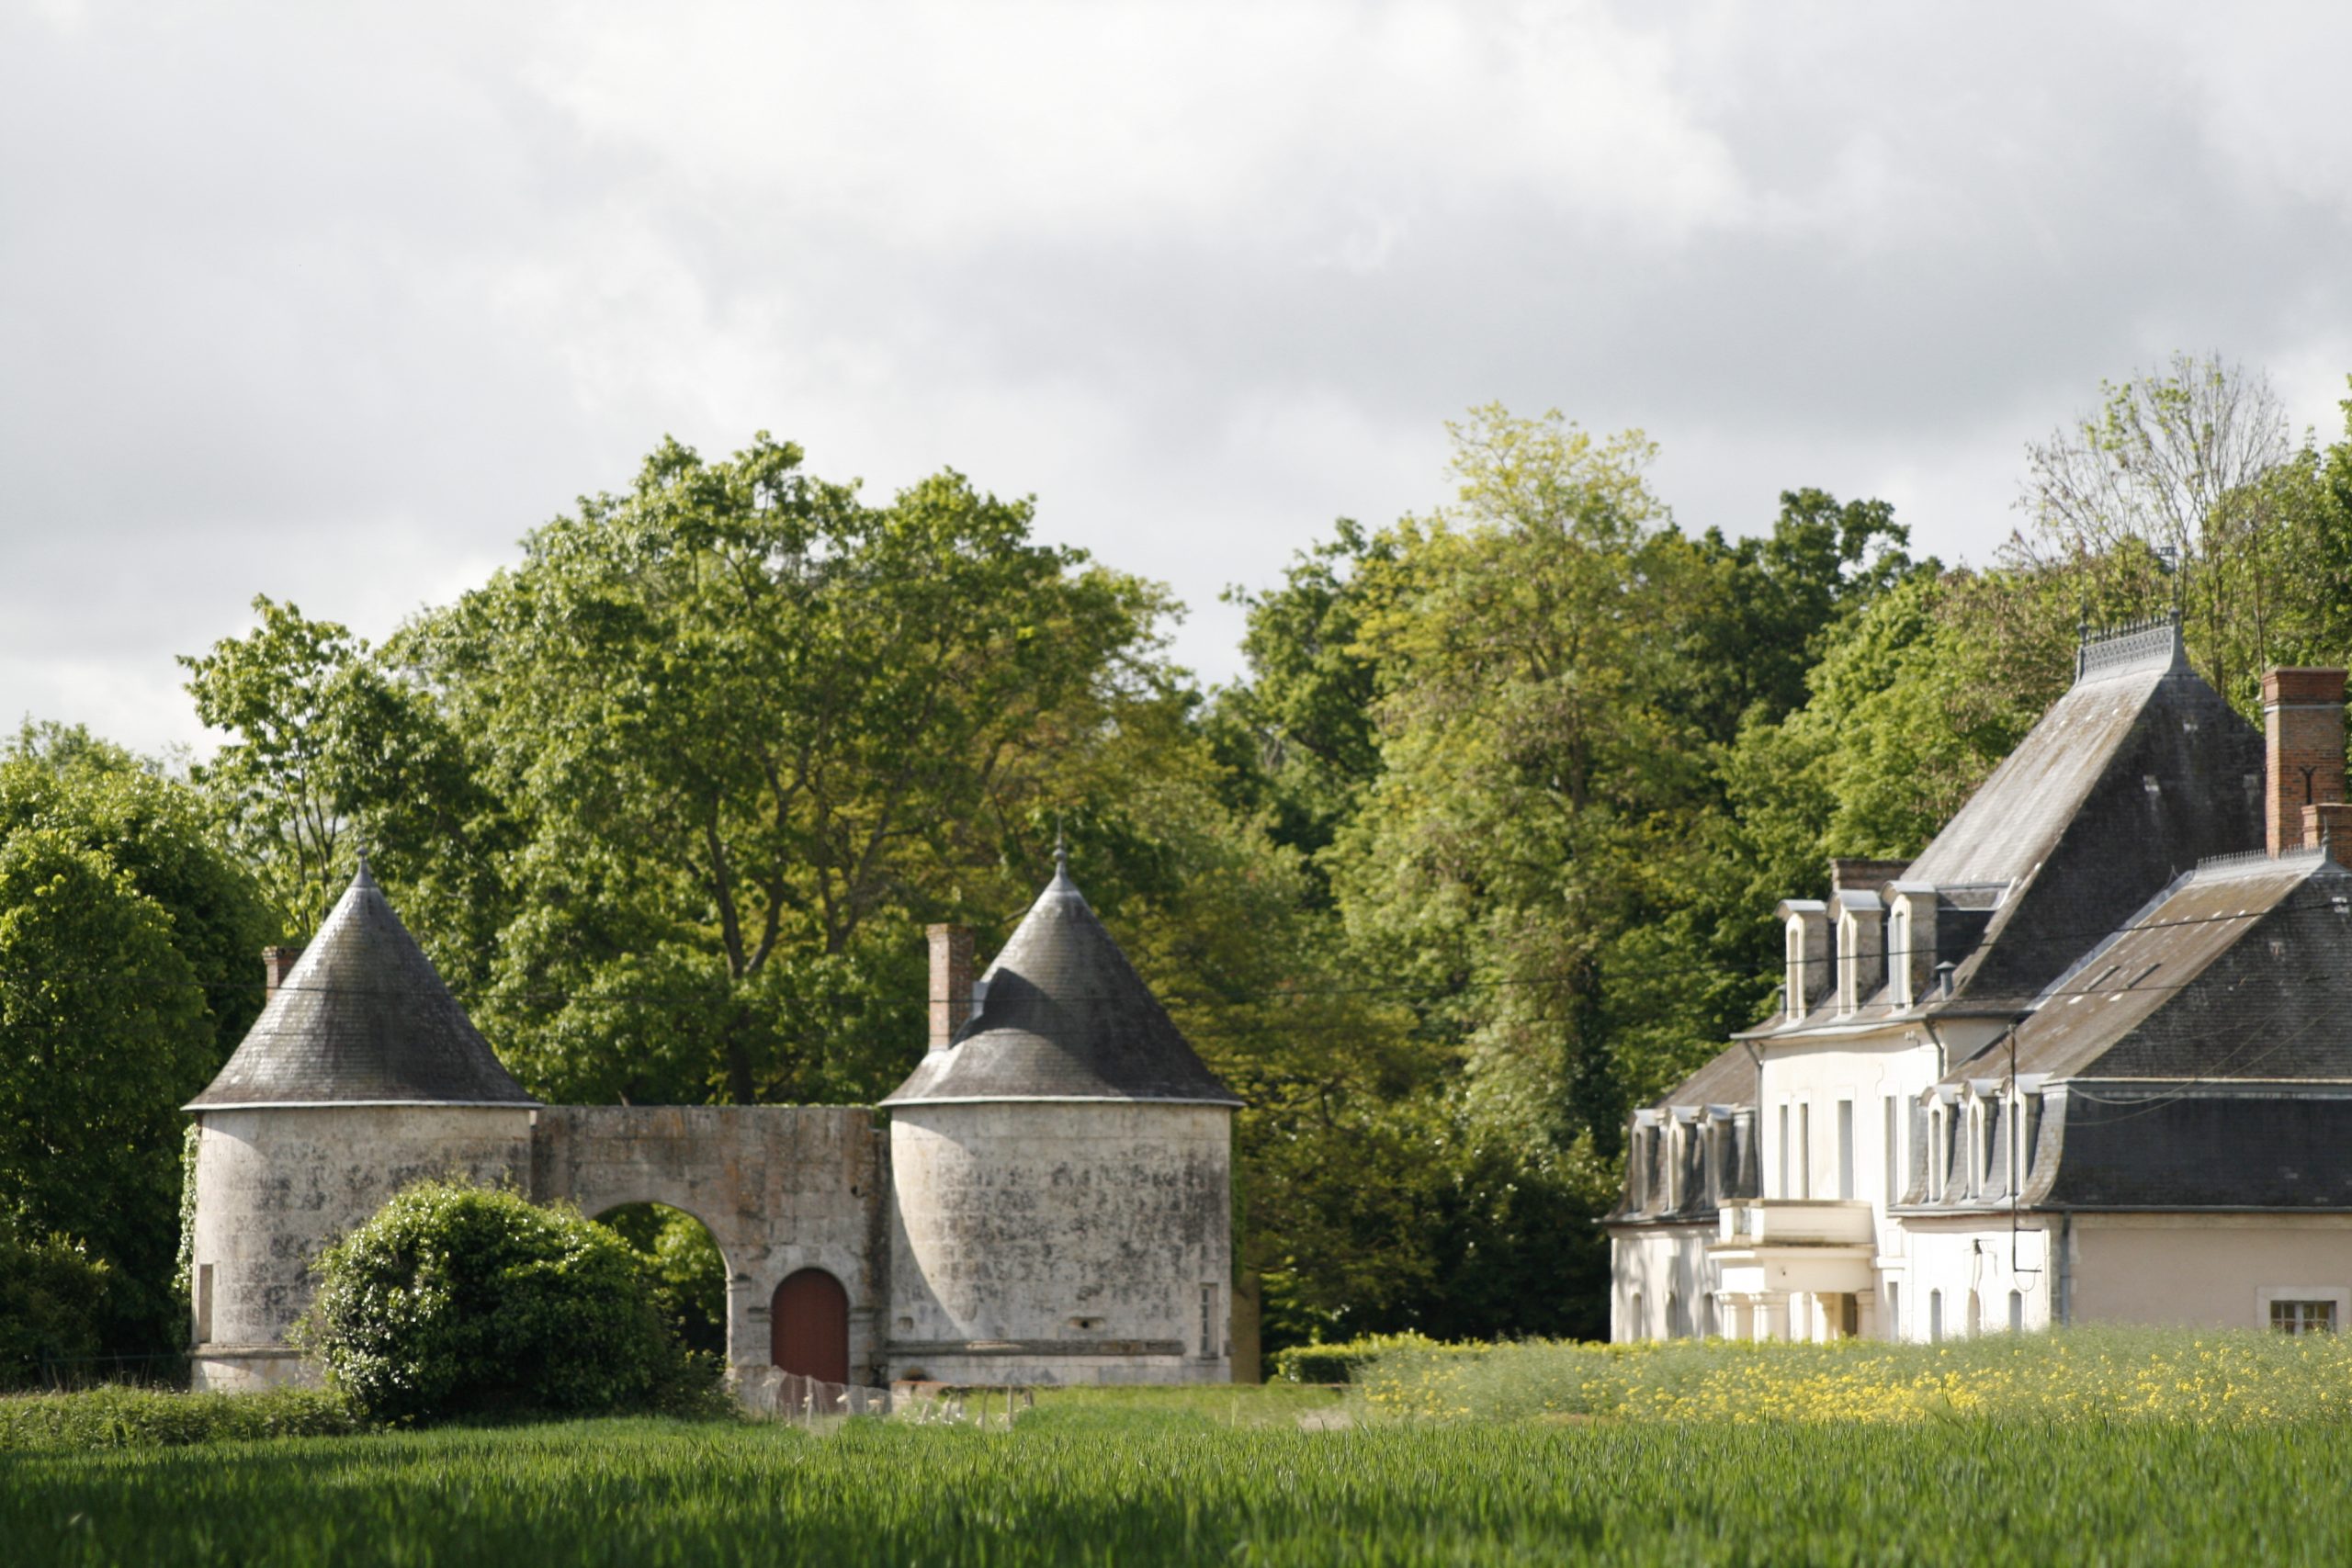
(1274,1476)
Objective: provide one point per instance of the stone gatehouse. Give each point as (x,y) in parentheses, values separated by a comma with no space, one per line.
(1046,1199)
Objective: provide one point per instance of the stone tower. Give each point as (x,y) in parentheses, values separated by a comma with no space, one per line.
(362,1075)
(1061,1177)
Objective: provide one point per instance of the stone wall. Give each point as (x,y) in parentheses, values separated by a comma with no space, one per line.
(274,1185)
(1061,1242)
(780,1188)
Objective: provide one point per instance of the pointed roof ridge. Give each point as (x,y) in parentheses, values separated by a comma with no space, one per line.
(1063,1015)
(2134,772)
(363,1019)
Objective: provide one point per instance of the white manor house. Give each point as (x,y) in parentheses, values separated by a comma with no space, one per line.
(2087,1058)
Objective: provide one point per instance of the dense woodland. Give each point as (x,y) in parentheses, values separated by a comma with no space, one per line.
(1481,852)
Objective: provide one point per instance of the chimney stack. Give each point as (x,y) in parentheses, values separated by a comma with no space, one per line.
(951,983)
(276,963)
(2302,723)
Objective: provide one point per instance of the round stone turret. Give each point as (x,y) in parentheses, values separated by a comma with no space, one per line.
(1062,1178)
(362,1075)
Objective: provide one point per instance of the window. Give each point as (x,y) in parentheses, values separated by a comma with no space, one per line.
(1208,1320)
(1633,1328)
(1893,1192)
(2017,1312)
(1898,951)
(1783,1156)
(1935,1317)
(2009,1153)
(1673,1142)
(204,1304)
(1935,1155)
(2293,1316)
(1674,1328)
(1637,1176)
(1804,1151)
(1846,1148)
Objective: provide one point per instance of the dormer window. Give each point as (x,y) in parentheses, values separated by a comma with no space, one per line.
(1861,957)
(1898,952)
(1804,953)
(1795,980)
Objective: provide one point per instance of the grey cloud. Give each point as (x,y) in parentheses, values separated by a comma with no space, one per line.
(336,304)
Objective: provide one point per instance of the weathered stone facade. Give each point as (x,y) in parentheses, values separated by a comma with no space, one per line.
(1048,1200)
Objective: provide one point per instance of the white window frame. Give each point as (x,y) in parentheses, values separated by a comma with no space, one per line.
(1781,1152)
(1938,1174)
(1845,1151)
(1805,1148)
(2265,1295)
(1898,951)
(1891,1133)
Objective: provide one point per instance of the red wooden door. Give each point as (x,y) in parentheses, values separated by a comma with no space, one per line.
(808,1327)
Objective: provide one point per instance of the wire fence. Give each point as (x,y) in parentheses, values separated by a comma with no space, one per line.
(772,1394)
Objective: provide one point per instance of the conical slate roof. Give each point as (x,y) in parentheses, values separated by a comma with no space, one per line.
(1063,1015)
(363,1020)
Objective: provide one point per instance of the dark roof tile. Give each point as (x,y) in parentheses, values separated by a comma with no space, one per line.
(363,1020)
(1063,1015)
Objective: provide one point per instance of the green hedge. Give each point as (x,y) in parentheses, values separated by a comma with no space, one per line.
(458,1300)
(1338,1363)
(53,1297)
(147,1417)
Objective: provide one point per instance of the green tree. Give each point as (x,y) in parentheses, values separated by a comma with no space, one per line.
(1297,737)
(161,834)
(104,1034)
(2161,494)
(750,732)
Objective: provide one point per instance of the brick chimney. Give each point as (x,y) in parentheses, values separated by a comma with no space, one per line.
(2302,723)
(276,963)
(951,983)
(1850,874)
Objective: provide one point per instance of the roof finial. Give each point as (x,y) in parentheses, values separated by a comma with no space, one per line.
(1061,850)
(361,877)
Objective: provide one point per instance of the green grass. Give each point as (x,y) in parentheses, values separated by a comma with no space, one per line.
(2107,1446)
(1082,1480)
(117,1417)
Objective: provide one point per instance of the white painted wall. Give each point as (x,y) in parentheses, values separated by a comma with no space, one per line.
(2209,1270)
(1653,1267)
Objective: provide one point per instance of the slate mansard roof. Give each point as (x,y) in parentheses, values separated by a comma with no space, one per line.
(2138,771)
(1063,1015)
(2201,1057)
(363,1020)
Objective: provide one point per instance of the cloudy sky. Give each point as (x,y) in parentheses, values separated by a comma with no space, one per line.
(334,302)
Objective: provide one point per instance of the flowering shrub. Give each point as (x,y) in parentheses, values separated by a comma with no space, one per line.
(458,1299)
(2094,1374)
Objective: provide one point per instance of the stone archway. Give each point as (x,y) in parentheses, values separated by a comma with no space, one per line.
(808,1327)
(688,1267)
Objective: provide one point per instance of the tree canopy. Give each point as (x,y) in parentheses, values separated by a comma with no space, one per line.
(1479,851)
